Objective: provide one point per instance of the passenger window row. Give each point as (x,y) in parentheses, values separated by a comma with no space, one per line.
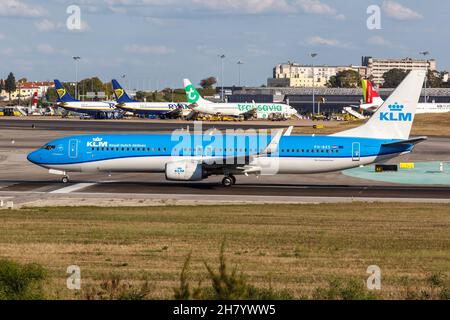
(127,149)
(213,150)
(219,149)
(311,151)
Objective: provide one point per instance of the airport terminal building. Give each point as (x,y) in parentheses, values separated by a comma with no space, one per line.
(335,99)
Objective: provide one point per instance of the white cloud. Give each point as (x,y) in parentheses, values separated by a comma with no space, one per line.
(340,17)
(315,6)
(45,25)
(399,12)
(316,40)
(248,6)
(45,48)
(19,8)
(253,7)
(144,49)
(378,41)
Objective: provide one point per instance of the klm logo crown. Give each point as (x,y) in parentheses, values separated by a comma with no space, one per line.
(396,107)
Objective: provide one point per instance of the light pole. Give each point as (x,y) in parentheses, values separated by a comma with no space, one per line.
(221,57)
(239,63)
(313,55)
(76,59)
(425,53)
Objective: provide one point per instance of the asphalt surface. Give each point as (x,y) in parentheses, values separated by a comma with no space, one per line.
(213,188)
(143,125)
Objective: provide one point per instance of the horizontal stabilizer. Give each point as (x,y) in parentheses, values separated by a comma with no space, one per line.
(404,142)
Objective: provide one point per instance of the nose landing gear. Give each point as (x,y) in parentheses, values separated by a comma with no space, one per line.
(228,181)
(65,179)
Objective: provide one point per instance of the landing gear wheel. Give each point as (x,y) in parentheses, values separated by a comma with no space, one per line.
(65,179)
(227,181)
(233,178)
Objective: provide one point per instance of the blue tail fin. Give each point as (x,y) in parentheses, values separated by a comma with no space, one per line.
(63,95)
(120,94)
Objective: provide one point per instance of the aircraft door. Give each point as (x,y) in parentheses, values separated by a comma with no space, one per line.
(73,148)
(356,151)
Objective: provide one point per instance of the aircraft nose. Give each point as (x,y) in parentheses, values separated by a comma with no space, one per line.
(34,157)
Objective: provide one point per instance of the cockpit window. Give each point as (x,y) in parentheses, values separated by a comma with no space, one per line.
(49,147)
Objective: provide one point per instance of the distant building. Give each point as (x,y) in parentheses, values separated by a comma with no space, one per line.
(377,67)
(335,98)
(301,76)
(26,89)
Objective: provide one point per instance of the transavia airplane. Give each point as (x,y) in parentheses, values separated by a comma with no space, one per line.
(372,101)
(185,157)
(98,109)
(248,110)
(161,109)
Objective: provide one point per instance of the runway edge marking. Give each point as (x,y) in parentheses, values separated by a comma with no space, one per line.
(73,188)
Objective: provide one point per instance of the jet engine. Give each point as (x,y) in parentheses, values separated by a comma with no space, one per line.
(184,171)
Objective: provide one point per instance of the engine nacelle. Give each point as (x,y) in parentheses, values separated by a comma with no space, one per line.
(184,171)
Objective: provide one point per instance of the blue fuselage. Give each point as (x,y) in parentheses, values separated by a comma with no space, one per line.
(151,152)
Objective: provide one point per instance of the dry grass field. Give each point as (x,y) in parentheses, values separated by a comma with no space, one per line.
(298,248)
(424,125)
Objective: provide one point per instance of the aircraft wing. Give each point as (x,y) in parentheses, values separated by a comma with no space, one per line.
(405,142)
(178,112)
(241,163)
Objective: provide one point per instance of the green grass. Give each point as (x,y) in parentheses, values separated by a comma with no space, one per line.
(295,248)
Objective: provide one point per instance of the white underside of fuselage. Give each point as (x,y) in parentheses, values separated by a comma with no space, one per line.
(268,166)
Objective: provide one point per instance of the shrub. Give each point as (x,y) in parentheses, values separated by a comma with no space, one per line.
(115,288)
(225,285)
(21,281)
(339,290)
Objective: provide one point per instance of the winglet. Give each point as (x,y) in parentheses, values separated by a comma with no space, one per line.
(288,131)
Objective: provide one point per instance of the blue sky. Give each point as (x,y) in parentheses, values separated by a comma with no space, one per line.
(156,43)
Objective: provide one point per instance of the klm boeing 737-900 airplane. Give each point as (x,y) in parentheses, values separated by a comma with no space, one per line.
(184,157)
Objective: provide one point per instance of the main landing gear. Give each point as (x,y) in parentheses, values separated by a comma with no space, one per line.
(65,179)
(228,181)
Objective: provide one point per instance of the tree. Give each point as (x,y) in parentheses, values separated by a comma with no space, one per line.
(51,95)
(140,95)
(393,78)
(345,79)
(2,85)
(207,83)
(10,84)
(434,79)
(93,84)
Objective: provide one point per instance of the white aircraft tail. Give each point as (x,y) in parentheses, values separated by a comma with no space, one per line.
(192,95)
(394,119)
